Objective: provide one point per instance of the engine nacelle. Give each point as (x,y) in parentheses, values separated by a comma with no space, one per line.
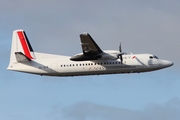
(109,56)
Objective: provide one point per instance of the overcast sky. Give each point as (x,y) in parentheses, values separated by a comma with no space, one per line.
(54,26)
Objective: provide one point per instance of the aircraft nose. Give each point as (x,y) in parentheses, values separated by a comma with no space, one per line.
(166,63)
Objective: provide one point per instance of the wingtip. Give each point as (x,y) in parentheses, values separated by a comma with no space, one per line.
(85,33)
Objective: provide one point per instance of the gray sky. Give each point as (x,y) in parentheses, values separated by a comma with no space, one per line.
(54,26)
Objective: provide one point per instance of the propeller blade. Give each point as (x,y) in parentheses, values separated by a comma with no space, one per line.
(120,55)
(120,48)
(121,58)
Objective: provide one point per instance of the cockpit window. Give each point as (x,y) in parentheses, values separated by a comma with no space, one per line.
(151,57)
(155,57)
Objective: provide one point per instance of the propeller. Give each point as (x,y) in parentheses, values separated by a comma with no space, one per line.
(120,54)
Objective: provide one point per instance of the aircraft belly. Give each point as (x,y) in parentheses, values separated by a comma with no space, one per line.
(95,70)
(56,69)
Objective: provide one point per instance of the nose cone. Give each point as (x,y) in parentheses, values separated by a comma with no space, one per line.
(166,63)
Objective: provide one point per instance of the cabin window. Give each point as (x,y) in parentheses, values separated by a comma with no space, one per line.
(76,64)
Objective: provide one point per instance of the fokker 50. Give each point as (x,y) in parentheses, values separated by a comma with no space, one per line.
(92,61)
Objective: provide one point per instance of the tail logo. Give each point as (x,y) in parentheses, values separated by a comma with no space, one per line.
(133,57)
(25,44)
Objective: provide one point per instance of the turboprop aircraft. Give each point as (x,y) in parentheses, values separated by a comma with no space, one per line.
(92,61)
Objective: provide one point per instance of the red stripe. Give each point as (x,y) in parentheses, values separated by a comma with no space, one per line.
(133,57)
(24,44)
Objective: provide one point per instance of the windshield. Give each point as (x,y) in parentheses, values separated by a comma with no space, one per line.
(155,57)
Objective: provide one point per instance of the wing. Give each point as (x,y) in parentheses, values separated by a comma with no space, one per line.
(89,46)
(91,50)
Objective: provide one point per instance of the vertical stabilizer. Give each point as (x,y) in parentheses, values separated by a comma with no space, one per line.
(21,44)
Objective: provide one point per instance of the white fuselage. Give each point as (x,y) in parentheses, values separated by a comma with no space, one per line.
(92,60)
(56,65)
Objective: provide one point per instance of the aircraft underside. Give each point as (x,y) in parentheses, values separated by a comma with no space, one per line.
(61,70)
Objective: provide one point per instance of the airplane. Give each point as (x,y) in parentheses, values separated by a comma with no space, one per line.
(92,61)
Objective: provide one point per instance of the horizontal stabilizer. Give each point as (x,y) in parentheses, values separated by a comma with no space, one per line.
(20,57)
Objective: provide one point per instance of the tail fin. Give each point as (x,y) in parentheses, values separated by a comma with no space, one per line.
(21,49)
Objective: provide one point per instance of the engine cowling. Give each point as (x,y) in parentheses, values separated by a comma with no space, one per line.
(110,56)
